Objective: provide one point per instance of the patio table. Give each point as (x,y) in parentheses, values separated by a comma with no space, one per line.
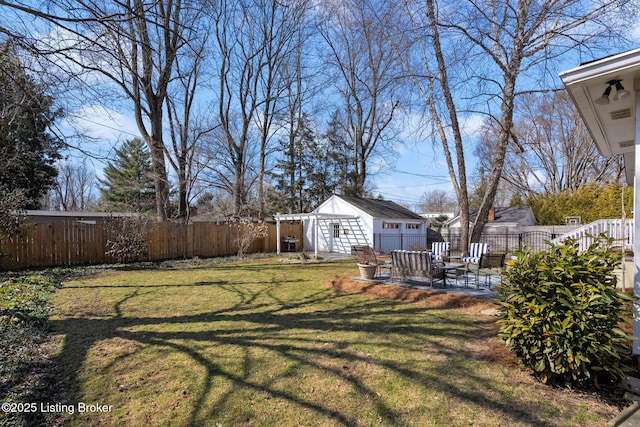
(448,267)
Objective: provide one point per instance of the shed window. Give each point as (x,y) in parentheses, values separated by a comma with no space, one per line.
(336,231)
(390,225)
(413,226)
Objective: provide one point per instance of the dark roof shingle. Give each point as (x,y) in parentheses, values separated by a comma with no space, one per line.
(506,214)
(381,208)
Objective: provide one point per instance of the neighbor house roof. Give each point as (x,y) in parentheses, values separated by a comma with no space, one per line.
(42,217)
(381,208)
(504,215)
(509,214)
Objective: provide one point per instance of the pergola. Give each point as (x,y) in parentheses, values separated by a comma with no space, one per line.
(605,92)
(318,217)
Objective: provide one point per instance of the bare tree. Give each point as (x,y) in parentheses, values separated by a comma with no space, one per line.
(237,67)
(134,45)
(74,187)
(256,40)
(366,75)
(438,201)
(300,84)
(189,122)
(551,149)
(473,57)
(281,26)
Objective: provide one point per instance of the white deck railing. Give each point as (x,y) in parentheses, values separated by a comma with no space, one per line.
(615,228)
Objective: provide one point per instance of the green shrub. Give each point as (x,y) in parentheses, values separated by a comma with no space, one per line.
(561,313)
(27,370)
(26,298)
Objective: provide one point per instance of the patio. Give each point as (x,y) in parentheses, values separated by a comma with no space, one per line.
(460,284)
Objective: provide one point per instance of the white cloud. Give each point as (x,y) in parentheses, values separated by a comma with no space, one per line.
(415,127)
(472,124)
(106,124)
(99,129)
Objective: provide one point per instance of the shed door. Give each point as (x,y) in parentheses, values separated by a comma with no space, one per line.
(334,240)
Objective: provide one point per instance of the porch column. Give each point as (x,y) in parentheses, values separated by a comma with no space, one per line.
(636,227)
(315,237)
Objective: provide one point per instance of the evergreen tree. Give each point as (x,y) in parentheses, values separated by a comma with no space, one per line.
(340,178)
(476,193)
(312,169)
(291,179)
(28,151)
(128,184)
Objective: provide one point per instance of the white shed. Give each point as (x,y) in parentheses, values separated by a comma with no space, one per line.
(343,221)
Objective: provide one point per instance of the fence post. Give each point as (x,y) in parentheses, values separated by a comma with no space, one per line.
(506,240)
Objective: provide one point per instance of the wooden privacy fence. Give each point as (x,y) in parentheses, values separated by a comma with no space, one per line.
(64,244)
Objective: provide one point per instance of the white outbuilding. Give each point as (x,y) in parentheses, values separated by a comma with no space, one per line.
(344,221)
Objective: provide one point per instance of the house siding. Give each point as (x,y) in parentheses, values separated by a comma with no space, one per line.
(360,231)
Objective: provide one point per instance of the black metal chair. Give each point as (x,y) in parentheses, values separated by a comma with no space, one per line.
(488,265)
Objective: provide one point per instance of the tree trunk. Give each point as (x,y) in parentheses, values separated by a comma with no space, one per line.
(160,178)
(238,184)
(499,154)
(182,188)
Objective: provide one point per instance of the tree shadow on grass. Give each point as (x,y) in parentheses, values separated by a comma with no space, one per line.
(335,327)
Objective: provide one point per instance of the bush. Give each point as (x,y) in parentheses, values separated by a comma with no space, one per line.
(27,370)
(561,313)
(26,298)
(127,241)
(247,232)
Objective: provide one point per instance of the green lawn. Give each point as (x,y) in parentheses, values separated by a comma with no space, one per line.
(265,343)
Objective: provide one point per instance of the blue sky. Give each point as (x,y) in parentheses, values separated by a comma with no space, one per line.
(418,165)
(418,168)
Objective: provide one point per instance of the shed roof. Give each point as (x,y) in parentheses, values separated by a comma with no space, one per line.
(381,208)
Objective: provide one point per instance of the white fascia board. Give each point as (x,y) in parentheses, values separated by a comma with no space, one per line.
(615,64)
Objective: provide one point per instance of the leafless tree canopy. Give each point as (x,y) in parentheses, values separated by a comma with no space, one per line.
(213,85)
(550,150)
(74,189)
(438,201)
(132,46)
(367,72)
(478,57)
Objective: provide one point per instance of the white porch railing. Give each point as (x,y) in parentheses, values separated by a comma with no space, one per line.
(615,228)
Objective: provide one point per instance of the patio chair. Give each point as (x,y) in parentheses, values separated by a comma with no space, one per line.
(476,250)
(440,251)
(489,265)
(409,264)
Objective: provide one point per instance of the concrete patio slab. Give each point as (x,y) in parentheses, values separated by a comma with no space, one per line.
(461,285)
